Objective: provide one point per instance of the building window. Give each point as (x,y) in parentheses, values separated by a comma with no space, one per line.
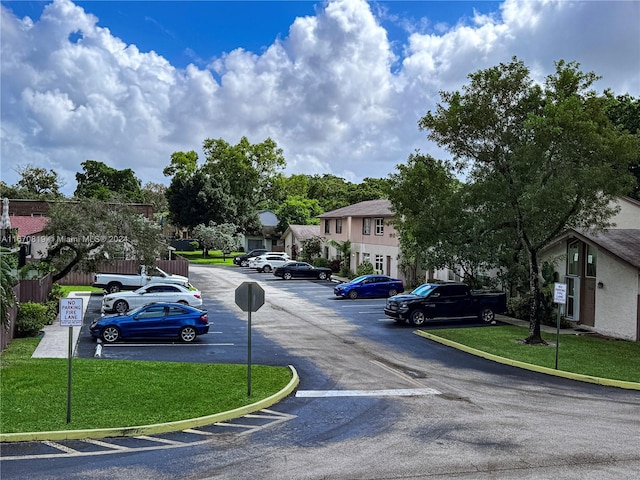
(379,226)
(592,257)
(573,259)
(338,225)
(379,263)
(327,226)
(366,257)
(366,226)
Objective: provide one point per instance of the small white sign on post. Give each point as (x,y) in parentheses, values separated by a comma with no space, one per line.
(560,293)
(71,312)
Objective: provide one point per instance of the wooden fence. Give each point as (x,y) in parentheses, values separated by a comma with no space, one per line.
(179,266)
(35,290)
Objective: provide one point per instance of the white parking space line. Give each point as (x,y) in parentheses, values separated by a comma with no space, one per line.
(398,392)
(110,345)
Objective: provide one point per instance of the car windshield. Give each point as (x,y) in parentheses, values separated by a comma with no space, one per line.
(424,290)
(135,311)
(358,279)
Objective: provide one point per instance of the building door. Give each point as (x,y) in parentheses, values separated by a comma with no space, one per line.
(388,269)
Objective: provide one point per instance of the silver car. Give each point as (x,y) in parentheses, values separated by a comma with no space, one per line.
(152,293)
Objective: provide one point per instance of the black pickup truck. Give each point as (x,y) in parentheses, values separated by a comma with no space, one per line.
(445,300)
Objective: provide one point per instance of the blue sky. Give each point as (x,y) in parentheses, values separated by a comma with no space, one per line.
(195,31)
(339,85)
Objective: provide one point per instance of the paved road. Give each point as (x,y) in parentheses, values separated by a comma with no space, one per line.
(466,417)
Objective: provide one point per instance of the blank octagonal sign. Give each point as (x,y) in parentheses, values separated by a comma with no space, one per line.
(249,296)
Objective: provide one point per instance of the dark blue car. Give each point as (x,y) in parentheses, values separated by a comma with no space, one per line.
(156,320)
(369,286)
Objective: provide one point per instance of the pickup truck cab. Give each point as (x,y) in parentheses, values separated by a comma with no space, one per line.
(445,300)
(115,282)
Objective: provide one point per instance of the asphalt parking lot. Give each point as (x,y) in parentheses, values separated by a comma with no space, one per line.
(227,340)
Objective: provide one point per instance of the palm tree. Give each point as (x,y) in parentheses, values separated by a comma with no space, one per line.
(345,253)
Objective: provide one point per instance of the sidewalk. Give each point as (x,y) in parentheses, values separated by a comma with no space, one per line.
(525,323)
(55,342)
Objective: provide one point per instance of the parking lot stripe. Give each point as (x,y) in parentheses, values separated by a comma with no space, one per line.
(398,392)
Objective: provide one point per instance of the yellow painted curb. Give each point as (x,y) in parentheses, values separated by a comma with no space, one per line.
(528,366)
(158,427)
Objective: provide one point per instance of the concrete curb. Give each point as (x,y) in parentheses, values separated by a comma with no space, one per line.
(536,368)
(158,427)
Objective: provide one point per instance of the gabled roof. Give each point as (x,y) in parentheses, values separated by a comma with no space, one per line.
(623,243)
(28,225)
(304,232)
(619,242)
(368,208)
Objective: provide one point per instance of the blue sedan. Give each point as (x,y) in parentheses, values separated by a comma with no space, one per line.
(369,286)
(164,320)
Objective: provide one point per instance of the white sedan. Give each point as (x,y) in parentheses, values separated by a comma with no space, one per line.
(154,292)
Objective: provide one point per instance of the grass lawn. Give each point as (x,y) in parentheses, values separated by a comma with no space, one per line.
(214,257)
(583,354)
(120,393)
(66,289)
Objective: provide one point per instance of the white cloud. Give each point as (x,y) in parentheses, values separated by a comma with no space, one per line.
(331,93)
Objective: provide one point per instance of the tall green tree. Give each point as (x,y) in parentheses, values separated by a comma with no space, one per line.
(369,189)
(39,182)
(331,191)
(34,183)
(220,237)
(436,223)
(156,194)
(297,210)
(87,233)
(545,158)
(624,111)
(199,198)
(250,169)
(105,183)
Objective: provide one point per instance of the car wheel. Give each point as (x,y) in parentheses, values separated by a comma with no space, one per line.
(322,276)
(266,268)
(244,263)
(110,334)
(114,287)
(188,334)
(353,294)
(287,276)
(417,318)
(393,292)
(183,302)
(121,306)
(487,315)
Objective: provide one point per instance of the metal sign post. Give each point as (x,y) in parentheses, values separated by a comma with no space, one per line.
(71,313)
(249,297)
(559,297)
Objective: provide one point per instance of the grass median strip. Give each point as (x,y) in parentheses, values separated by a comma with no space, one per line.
(583,354)
(120,393)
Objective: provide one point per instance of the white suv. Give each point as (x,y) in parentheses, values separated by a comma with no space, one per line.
(269,261)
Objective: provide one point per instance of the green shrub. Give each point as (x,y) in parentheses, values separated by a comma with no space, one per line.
(365,268)
(321,262)
(31,318)
(519,307)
